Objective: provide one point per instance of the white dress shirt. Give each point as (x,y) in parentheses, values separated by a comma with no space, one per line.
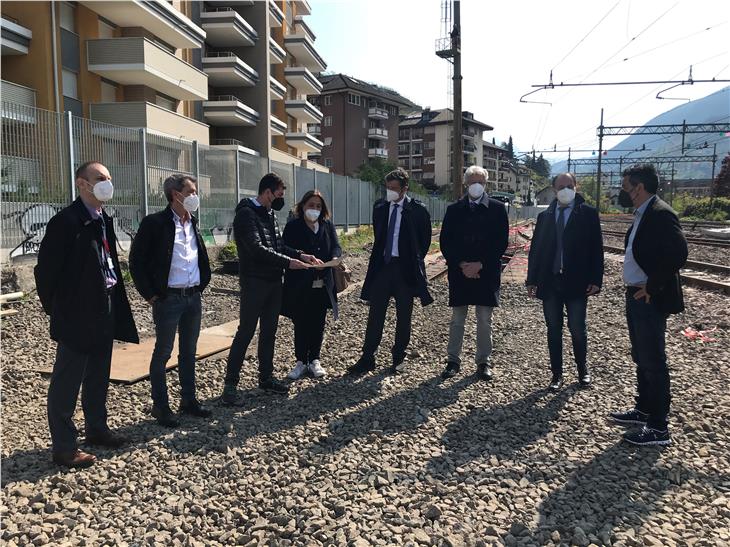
(633,274)
(184,270)
(396,232)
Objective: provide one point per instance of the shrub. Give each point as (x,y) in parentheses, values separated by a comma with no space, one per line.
(228,252)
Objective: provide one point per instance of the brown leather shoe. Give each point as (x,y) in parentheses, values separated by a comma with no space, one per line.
(76,458)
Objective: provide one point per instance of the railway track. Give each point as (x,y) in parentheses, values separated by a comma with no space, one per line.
(689,224)
(695,240)
(703,275)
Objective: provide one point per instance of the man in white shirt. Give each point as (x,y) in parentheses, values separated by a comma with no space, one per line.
(170,268)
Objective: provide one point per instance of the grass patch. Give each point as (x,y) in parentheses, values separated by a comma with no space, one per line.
(356,240)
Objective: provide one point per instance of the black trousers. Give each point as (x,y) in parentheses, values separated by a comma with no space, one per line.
(553,303)
(389,282)
(260,304)
(309,322)
(75,370)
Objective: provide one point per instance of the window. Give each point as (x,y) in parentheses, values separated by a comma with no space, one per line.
(430,145)
(404,134)
(70,83)
(393,110)
(364,143)
(105,30)
(364,123)
(68,16)
(328,121)
(327,100)
(328,141)
(164,102)
(108,92)
(328,162)
(353,99)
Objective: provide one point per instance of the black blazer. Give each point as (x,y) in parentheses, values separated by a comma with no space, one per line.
(582,250)
(660,249)
(478,235)
(151,254)
(262,252)
(414,240)
(71,283)
(325,246)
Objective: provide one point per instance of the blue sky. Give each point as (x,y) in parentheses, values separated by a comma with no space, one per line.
(507,46)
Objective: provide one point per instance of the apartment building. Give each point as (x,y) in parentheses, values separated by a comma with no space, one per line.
(424,145)
(262,67)
(360,123)
(124,63)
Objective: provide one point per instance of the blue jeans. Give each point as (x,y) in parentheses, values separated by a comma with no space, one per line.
(171,314)
(552,307)
(646,332)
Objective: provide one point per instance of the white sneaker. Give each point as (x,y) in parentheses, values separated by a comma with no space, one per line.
(316,368)
(298,371)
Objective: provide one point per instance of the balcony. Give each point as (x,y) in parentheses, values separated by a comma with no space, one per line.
(304,142)
(376,113)
(276,18)
(303,110)
(228,110)
(302,28)
(303,7)
(226,28)
(417,152)
(225,68)
(404,152)
(278,127)
(378,153)
(470,147)
(303,80)
(155,118)
(139,61)
(303,49)
(314,129)
(158,17)
(15,38)
(277,54)
(378,133)
(278,90)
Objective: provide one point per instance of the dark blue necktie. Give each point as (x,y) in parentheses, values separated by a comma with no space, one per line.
(391,234)
(559,227)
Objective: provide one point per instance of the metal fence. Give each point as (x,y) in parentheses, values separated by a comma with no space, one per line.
(41,150)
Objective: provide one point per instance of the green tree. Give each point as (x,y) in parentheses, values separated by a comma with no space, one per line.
(721,184)
(374,170)
(510,148)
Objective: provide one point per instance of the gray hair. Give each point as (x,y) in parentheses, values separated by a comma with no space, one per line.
(176,183)
(475,170)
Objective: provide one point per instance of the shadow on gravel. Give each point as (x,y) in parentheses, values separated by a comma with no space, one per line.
(499,430)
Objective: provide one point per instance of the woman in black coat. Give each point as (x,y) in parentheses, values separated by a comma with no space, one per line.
(309,293)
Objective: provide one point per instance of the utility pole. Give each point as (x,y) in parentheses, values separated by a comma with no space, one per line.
(598,169)
(458,142)
(712,178)
(671,188)
(569,159)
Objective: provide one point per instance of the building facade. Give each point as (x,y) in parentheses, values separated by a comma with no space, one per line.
(424,145)
(360,123)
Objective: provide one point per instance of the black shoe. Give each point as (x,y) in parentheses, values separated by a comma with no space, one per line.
(230,396)
(451,370)
(584,376)
(274,386)
(194,408)
(556,383)
(632,417)
(363,366)
(647,436)
(484,372)
(107,439)
(165,416)
(398,366)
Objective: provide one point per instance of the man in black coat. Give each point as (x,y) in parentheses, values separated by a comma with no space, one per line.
(565,267)
(656,250)
(402,228)
(263,256)
(80,286)
(473,239)
(170,268)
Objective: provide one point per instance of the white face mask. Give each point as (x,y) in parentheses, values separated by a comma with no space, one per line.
(476,190)
(312,214)
(191,203)
(566,196)
(392,195)
(103,191)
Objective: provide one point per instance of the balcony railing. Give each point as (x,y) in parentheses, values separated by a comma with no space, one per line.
(377,153)
(377,113)
(377,133)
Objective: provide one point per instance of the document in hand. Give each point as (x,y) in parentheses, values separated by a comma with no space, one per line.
(330,264)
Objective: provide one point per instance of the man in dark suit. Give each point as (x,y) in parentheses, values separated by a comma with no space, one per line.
(565,267)
(402,228)
(262,256)
(80,286)
(170,268)
(655,252)
(473,239)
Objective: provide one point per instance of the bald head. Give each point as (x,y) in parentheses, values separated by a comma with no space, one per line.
(565,180)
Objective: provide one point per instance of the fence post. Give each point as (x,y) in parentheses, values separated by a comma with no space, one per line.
(268,164)
(347,203)
(294,181)
(143,168)
(332,193)
(71,159)
(237,171)
(196,174)
(359,202)
(314,174)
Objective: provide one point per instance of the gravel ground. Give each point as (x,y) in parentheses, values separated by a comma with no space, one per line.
(701,253)
(405,460)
